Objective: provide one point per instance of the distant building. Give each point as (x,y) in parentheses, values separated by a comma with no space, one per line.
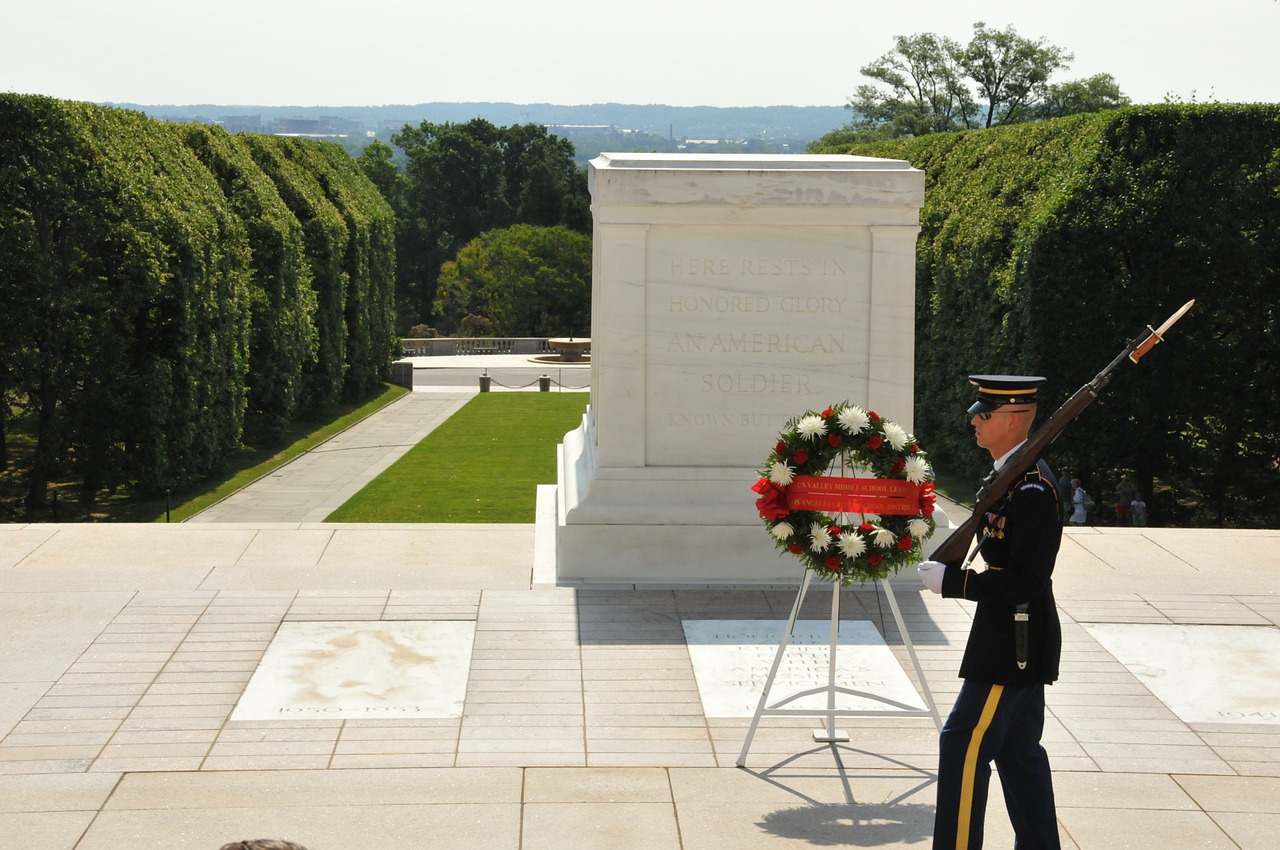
(579,131)
(298,127)
(339,125)
(241,123)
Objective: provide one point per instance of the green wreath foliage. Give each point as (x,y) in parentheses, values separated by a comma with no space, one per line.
(846,547)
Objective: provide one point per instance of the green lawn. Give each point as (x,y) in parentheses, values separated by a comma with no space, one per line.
(483,464)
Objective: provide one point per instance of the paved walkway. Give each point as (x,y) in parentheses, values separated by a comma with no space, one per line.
(127,647)
(312,486)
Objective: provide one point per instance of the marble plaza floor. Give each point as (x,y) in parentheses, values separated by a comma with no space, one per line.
(188,685)
(126,650)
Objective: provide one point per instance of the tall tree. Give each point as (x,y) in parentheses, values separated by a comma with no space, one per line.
(452,195)
(1092,94)
(525,280)
(927,93)
(462,180)
(1011,71)
(932,84)
(377,161)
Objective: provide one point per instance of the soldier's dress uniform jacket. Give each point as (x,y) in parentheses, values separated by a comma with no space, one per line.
(999,714)
(1021,536)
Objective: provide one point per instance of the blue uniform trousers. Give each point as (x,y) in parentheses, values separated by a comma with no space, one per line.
(1002,724)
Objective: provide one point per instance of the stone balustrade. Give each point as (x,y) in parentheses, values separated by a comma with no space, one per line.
(476,345)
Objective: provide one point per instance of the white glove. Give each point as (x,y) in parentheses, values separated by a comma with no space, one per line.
(931,574)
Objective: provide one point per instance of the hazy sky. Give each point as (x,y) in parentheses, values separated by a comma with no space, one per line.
(678,52)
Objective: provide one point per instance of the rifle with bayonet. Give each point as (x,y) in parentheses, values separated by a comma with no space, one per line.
(952,550)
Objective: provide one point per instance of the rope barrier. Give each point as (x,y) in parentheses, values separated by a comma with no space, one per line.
(487,381)
(510,387)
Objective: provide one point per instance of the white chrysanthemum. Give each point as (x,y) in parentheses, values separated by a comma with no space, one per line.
(853,419)
(812,426)
(884,538)
(821,539)
(918,528)
(852,545)
(782,530)
(872,518)
(781,474)
(896,436)
(917,469)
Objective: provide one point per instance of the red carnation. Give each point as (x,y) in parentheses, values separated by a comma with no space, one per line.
(828,413)
(780,449)
(800,456)
(794,549)
(834,530)
(874,443)
(835,440)
(866,528)
(905,544)
(873,416)
(899,465)
(875,559)
(914,448)
(832,564)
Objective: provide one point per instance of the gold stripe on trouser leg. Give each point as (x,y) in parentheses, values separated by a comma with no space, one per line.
(968,778)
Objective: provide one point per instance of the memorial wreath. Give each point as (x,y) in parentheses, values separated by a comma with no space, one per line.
(847,529)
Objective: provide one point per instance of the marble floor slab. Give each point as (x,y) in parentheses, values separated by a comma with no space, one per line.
(732,659)
(361,670)
(1203,673)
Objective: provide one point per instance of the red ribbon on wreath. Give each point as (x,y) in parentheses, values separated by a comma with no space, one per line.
(772,503)
(830,494)
(928,500)
(844,495)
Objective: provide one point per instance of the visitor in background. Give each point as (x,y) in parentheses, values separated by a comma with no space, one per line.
(1079,513)
(1064,494)
(1125,494)
(1139,508)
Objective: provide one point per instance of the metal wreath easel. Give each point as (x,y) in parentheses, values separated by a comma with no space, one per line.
(829,733)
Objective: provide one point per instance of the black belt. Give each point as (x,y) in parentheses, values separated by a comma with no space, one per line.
(1021,619)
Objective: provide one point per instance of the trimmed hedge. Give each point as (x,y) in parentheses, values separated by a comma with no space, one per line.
(158,290)
(1045,246)
(326,238)
(370,315)
(282,302)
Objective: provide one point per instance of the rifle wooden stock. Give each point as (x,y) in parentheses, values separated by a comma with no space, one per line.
(952,551)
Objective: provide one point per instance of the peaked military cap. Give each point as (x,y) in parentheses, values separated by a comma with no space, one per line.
(996,391)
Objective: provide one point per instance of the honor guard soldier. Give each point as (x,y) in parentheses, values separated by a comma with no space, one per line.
(1014,643)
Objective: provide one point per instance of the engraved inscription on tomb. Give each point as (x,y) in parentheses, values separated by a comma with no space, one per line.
(755,267)
(738,343)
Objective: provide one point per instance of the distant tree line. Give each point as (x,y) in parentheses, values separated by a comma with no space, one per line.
(170,290)
(930,83)
(451,183)
(1046,246)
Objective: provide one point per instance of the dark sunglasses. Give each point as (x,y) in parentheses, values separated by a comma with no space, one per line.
(987,414)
